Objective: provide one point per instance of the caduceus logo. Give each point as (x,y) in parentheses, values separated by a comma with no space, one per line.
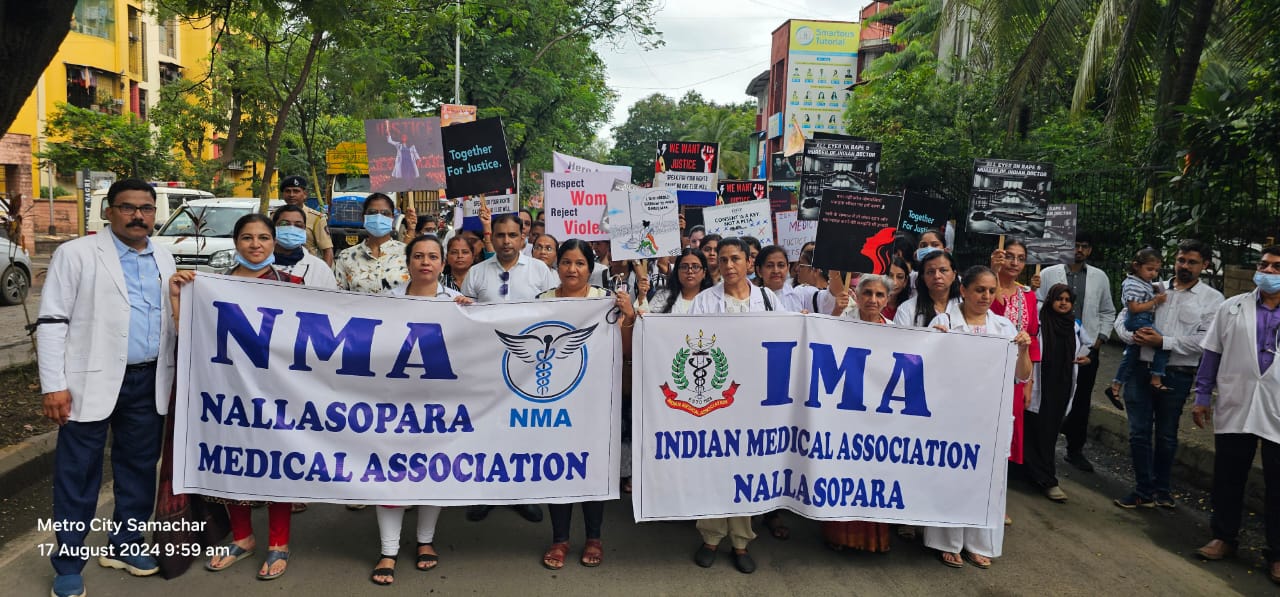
(545,361)
(706,361)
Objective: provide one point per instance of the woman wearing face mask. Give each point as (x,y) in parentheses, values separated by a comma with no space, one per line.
(425,256)
(376,264)
(255,240)
(458,261)
(574,265)
(1053,385)
(974,316)
(291,233)
(1017,303)
(936,290)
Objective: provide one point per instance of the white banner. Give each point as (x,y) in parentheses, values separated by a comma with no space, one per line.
(576,203)
(793,233)
(290,393)
(831,418)
(643,224)
(566,163)
(749,218)
(686,181)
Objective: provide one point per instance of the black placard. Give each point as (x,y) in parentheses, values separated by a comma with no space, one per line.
(1009,197)
(855,231)
(921,212)
(737,191)
(836,164)
(475,158)
(1059,242)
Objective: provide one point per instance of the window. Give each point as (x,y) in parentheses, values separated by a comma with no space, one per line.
(95,17)
(82,86)
(168,38)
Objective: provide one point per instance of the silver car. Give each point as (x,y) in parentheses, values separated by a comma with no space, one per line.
(15,273)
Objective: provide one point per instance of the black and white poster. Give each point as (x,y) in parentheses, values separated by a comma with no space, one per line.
(855,231)
(785,168)
(836,164)
(1059,242)
(475,158)
(1009,197)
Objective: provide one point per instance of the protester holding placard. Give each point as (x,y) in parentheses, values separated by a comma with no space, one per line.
(974,315)
(688,278)
(937,290)
(458,261)
(291,256)
(377,263)
(1017,303)
(574,265)
(869,296)
(734,294)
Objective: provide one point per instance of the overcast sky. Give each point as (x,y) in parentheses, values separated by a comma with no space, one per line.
(712,46)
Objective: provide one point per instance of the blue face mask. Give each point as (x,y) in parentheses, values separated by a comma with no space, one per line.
(290,237)
(1267,283)
(271,258)
(923,252)
(377,225)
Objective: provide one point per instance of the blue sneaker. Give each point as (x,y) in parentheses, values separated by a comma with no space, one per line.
(137,565)
(68,585)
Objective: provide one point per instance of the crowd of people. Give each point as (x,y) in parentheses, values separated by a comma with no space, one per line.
(108,323)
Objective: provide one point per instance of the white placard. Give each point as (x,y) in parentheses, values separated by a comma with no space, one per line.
(793,233)
(749,218)
(643,224)
(576,203)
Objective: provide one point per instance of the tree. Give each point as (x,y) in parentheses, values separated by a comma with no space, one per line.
(692,118)
(85,139)
(30,34)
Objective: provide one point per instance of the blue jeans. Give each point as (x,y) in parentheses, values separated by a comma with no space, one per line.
(77,467)
(1148,410)
(1133,323)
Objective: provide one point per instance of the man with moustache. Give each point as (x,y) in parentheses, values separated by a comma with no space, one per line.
(106,354)
(1183,321)
(1095,312)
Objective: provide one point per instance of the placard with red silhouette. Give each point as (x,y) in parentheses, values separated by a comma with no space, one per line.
(855,231)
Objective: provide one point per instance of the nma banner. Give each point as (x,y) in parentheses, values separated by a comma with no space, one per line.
(289,393)
(831,418)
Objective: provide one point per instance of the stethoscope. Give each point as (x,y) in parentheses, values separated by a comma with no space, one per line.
(1235,310)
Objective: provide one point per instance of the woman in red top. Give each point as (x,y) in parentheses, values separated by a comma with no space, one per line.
(255,239)
(1017,303)
(900,274)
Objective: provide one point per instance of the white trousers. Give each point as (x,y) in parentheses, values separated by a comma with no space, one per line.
(988,541)
(391,518)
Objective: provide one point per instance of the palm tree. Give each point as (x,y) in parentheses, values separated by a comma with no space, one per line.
(731,127)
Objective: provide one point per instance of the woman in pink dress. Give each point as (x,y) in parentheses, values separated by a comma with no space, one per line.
(1017,303)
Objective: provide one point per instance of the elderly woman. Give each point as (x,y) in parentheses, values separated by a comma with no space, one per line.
(544,249)
(376,264)
(291,234)
(575,260)
(255,240)
(425,256)
(973,315)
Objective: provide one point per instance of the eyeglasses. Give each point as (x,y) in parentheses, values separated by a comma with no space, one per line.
(1269,266)
(1018,258)
(128,209)
(690,267)
(505,288)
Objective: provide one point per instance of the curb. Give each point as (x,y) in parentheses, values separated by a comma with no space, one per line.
(27,462)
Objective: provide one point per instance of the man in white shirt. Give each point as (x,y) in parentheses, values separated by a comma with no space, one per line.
(509,275)
(1095,312)
(1182,322)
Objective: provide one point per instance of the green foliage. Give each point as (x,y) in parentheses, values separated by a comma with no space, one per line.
(122,144)
(692,118)
(58,191)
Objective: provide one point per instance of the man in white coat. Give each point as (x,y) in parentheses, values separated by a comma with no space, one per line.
(1095,312)
(106,351)
(1239,351)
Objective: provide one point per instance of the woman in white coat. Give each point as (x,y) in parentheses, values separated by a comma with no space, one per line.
(1063,347)
(291,256)
(973,315)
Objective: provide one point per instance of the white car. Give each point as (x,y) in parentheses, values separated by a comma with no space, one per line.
(15,273)
(168,200)
(199,233)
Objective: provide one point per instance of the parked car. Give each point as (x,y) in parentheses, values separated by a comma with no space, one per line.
(199,232)
(168,200)
(15,273)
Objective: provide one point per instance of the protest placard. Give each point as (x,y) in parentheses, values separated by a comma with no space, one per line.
(696,198)
(793,233)
(782,199)
(1059,242)
(576,203)
(786,168)
(456,113)
(566,163)
(475,158)
(499,203)
(836,164)
(404,154)
(1009,197)
(855,231)
(831,418)
(298,394)
(921,212)
(751,218)
(686,165)
(737,191)
(643,224)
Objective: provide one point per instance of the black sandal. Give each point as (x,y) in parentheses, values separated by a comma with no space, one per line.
(777,528)
(1115,400)
(432,560)
(383,572)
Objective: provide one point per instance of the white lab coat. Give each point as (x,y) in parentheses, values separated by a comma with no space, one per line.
(1083,342)
(87,356)
(313,271)
(711,300)
(1248,400)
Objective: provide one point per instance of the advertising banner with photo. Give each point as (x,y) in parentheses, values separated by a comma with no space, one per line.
(752,218)
(737,191)
(831,418)
(561,162)
(298,394)
(841,164)
(686,165)
(1059,242)
(643,224)
(793,233)
(823,63)
(855,232)
(921,212)
(475,158)
(1009,197)
(575,203)
(404,154)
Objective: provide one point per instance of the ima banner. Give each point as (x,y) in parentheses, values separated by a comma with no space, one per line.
(751,218)
(843,164)
(404,155)
(1009,197)
(831,418)
(475,158)
(566,163)
(737,191)
(576,203)
(297,394)
(855,231)
(686,166)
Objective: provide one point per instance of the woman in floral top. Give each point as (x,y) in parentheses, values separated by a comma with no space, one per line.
(377,264)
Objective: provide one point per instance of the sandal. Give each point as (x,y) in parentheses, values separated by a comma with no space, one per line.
(427,561)
(1159,387)
(958,562)
(1114,398)
(553,559)
(389,572)
(233,551)
(972,558)
(780,531)
(298,507)
(592,553)
(273,556)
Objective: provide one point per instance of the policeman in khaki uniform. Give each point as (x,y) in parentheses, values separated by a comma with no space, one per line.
(293,190)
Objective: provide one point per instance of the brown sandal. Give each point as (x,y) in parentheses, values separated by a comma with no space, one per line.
(592,553)
(553,559)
